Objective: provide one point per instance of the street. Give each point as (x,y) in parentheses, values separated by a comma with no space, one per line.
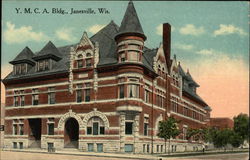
(7,155)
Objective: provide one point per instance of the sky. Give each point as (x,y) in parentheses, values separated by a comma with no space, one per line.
(210,39)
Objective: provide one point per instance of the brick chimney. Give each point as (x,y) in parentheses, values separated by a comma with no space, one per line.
(167,42)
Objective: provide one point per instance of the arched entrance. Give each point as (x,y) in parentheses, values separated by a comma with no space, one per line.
(71,133)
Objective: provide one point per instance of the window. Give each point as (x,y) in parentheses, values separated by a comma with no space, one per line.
(22,101)
(133,56)
(50,145)
(148,148)
(88,62)
(79,93)
(15,129)
(121,91)
(185,111)
(147,96)
(128,127)
(144,147)
(128,147)
(145,131)
(161,148)
(87,95)
(51,95)
(79,63)
(15,145)
(123,59)
(20,68)
(133,91)
(43,65)
(90,147)
(21,129)
(35,96)
(95,126)
(184,132)
(99,147)
(21,145)
(35,99)
(16,101)
(50,128)
(158,148)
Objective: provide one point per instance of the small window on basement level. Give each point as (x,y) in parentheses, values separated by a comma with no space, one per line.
(15,145)
(128,147)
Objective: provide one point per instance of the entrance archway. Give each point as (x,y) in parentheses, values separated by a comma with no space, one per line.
(71,133)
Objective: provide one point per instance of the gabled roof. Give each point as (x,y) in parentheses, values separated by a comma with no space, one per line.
(130,23)
(25,56)
(48,51)
(191,80)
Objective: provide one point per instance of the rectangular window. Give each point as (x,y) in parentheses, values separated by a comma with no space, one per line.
(95,128)
(15,129)
(35,99)
(79,63)
(121,91)
(51,128)
(46,67)
(88,62)
(15,145)
(147,96)
(158,148)
(128,127)
(102,130)
(145,129)
(128,147)
(133,91)
(99,147)
(79,96)
(21,129)
(161,148)
(184,133)
(90,147)
(185,111)
(148,148)
(144,147)
(89,130)
(23,68)
(16,101)
(52,97)
(21,145)
(50,145)
(22,101)
(87,95)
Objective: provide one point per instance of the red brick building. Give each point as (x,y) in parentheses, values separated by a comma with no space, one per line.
(107,93)
(221,122)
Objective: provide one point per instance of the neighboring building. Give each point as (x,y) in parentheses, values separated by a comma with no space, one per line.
(221,122)
(2,125)
(106,93)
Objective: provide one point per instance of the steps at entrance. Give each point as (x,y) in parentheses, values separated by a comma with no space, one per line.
(35,144)
(72,144)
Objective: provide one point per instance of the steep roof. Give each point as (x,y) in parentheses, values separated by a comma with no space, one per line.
(24,56)
(50,51)
(191,80)
(130,23)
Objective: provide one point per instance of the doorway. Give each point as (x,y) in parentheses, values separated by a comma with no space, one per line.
(71,133)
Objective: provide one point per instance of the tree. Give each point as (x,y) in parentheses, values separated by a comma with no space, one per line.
(241,125)
(168,129)
(236,140)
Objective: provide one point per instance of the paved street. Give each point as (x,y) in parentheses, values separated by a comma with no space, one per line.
(7,155)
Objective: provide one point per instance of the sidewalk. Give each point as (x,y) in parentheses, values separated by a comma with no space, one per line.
(126,155)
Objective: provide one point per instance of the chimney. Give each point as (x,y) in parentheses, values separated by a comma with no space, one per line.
(167,42)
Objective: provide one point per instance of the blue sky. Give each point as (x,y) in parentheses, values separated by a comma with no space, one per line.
(207,36)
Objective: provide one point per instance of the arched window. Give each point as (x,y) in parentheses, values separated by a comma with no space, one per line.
(88,55)
(95,126)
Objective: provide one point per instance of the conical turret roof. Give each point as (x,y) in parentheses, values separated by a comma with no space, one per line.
(25,56)
(130,24)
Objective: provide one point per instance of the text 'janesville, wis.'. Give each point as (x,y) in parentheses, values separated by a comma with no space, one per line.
(61,11)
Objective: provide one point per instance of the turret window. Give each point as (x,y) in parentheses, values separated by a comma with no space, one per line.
(133,56)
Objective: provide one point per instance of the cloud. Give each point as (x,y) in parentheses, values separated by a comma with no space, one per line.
(229,29)
(159,29)
(95,28)
(21,35)
(190,29)
(206,52)
(186,47)
(65,34)
(224,83)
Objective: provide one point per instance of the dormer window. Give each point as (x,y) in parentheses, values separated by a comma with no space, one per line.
(43,65)
(20,68)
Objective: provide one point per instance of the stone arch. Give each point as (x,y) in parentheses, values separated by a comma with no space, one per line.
(68,115)
(93,114)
